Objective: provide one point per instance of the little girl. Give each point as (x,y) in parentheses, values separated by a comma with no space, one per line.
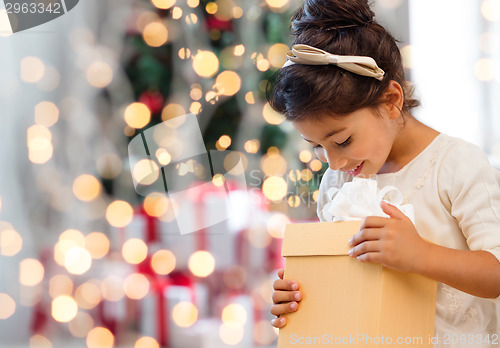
(343,89)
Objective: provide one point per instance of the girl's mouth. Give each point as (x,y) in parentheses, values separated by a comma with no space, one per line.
(357,170)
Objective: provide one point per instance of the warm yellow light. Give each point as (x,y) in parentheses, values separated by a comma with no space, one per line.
(112,288)
(490,9)
(61,248)
(81,324)
(231,335)
(250,98)
(184,53)
(305,156)
(271,116)
(163,4)
(196,94)
(163,262)
(239,50)
(155,34)
(252,146)
(64,308)
(211,97)
(201,263)
(176,12)
(218,180)
(145,172)
(7,306)
(191,19)
(234,315)
(316,165)
(119,213)
(30,272)
(184,314)
(11,242)
(225,141)
(39,341)
(77,260)
(237,12)
(306,174)
(73,235)
(163,156)
(172,110)
(39,144)
(134,251)
(41,152)
(315,195)
(211,8)
(273,164)
(99,74)
(276,225)
(228,83)
(46,113)
(277,54)
(484,69)
(137,115)
(275,188)
(88,295)
(206,63)
(97,244)
(294,201)
(86,187)
(32,69)
(60,284)
(263,64)
(193,3)
(146,342)
(156,204)
(195,107)
(136,286)
(100,337)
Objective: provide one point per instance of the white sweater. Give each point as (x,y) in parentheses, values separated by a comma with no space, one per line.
(456,197)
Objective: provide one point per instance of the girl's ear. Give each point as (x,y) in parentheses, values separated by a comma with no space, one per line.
(393,99)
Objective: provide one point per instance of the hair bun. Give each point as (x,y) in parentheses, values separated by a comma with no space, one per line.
(331,14)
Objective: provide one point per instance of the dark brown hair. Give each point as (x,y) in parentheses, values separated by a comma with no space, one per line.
(343,27)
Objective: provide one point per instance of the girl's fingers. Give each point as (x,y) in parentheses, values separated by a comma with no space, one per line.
(281,272)
(290,285)
(286,296)
(278,322)
(374,222)
(364,248)
(365,234)
(283,308)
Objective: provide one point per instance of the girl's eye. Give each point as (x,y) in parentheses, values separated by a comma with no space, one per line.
(345,143)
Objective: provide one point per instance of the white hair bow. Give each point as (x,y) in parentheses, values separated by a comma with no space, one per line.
(308,55)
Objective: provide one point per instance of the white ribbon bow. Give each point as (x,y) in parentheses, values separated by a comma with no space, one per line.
(361,198)
(361,65)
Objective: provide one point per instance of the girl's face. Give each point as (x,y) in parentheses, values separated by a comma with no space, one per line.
(359,143)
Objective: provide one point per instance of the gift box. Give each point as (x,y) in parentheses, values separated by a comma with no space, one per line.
(347,302)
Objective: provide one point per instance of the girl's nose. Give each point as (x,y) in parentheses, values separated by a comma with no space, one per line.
(336,162)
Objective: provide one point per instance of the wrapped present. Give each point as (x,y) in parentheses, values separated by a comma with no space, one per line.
(156,308)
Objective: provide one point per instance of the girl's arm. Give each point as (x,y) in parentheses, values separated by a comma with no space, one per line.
(395,243)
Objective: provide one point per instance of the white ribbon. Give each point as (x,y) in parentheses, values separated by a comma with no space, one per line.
(361,198)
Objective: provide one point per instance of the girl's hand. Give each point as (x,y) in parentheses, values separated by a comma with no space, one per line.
(392,242)
(285,298)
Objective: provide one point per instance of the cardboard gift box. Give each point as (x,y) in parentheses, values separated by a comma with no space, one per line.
(346,302)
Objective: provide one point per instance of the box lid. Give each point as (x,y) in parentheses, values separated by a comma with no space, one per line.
(325,238)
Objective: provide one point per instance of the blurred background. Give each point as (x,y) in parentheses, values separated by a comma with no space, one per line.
(85,261)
